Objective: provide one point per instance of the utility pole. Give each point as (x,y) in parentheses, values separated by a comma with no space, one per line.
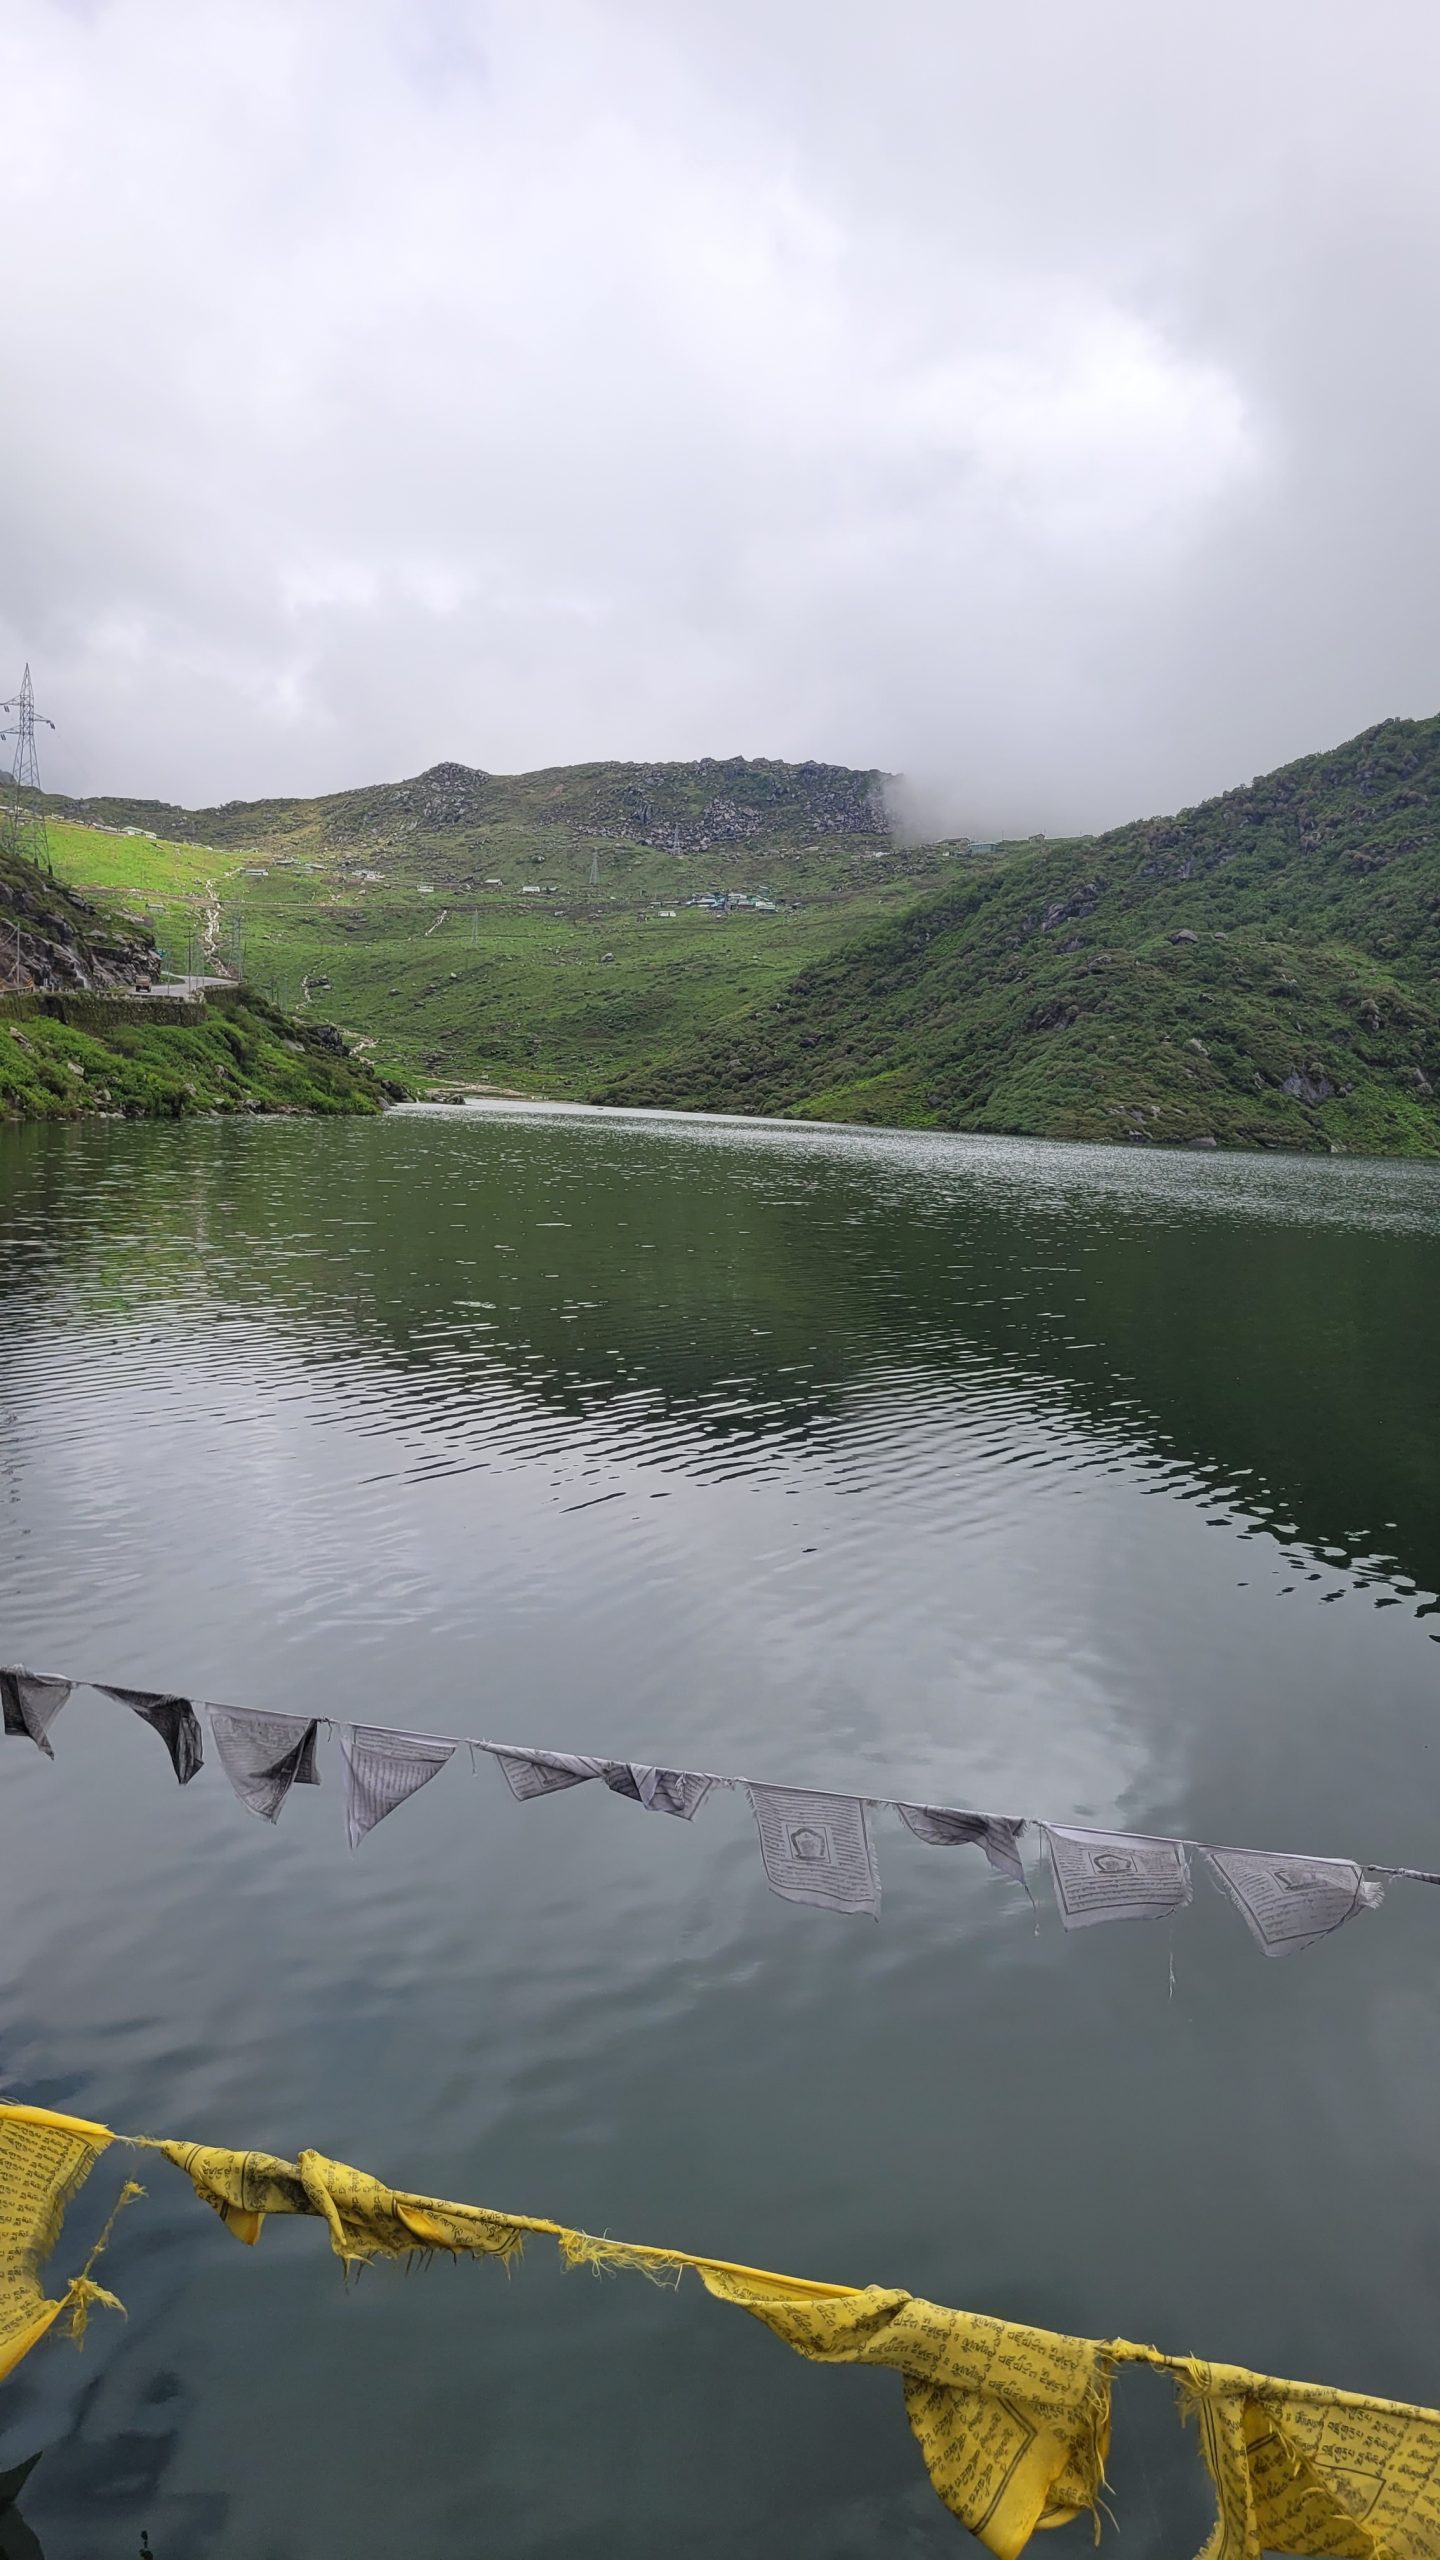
(23,828)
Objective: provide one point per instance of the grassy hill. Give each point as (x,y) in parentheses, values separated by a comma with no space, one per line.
(75,1043)
(402,909)
(51,938)
(1261,970)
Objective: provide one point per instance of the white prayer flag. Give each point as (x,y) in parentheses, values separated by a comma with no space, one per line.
(998,1834)
(31,1700)
(543,1773)
(1115,1875)
(817,1849)
(382,1769)
(676,1791)
(173,1718)
(1287,1903)
(265,1755)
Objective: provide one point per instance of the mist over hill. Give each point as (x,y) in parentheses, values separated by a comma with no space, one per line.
(745,935)
(1263,969)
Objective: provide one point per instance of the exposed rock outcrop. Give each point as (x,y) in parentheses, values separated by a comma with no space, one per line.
(52,941)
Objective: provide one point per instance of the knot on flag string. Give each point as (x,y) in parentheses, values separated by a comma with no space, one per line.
(79,2299)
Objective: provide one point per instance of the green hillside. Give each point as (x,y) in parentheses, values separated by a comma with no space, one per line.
(49,937)
(1261,970)
(76,1041)
(530,931)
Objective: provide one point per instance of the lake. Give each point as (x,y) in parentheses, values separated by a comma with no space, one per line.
(1080,1482)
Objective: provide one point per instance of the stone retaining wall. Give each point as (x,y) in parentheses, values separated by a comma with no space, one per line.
(84,1012)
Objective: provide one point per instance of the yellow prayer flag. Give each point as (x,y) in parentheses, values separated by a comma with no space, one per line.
(1299,2468)
(241,2186)
(44,2159)
(1014,2423)
(366,2220)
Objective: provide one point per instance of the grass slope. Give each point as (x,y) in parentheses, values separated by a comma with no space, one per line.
(74,1043)
(242,1057)
(49,937)
(1261,970)
(380,906)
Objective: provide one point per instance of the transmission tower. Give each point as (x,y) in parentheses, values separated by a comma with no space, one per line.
(22,822)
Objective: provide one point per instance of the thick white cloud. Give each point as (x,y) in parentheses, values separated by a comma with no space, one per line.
(1040,399)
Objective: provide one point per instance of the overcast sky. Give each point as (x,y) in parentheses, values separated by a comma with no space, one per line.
(1040,397)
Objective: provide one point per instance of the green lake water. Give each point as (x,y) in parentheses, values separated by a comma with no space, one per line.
(1092,1484)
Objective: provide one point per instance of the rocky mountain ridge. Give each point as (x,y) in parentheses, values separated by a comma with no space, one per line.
(708,803)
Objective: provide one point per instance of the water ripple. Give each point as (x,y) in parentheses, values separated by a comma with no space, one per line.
(1007,1474)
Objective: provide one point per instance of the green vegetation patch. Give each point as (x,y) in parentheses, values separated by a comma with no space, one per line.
(242,1057)
(538,932)
(1261,971)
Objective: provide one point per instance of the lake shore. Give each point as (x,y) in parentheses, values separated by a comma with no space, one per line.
(88,1058)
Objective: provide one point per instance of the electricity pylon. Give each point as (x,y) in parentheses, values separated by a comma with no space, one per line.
(22,823)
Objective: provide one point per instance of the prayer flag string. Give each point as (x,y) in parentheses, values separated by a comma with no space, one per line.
(816,1844)
(1013,2422)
